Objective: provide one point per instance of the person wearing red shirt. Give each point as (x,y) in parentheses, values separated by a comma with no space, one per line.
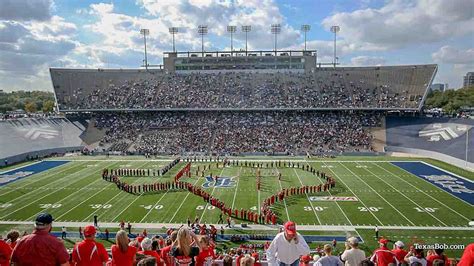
(206,253)
(438,255)
(256,261)
(122,253)
(383,256)
(40,248)
(165,252)
(88,252)
(5,253)
(146,250)
(398,250)
(12,238)
(467,258)
(240,255)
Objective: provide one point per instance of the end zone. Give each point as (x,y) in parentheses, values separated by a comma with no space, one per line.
(28,170)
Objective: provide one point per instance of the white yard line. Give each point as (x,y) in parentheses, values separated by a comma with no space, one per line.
(367,169)
(393,207)
(348,187)
(212,193)
(154,205)
(236,188)
(187,195)
(433,198)
(284,202)
(54,191)
(35,180)
(329,191)
(307,197)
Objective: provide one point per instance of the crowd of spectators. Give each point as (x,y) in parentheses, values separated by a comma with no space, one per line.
(238,132)
(340,88)
(182,246)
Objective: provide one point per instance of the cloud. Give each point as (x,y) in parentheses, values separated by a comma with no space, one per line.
(401,23)
(367,61)
(451,55)
(25,10)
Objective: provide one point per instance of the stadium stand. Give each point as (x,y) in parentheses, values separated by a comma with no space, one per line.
(236,132)
(390,87)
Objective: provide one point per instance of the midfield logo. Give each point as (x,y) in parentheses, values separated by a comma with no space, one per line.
(446,131)
(222,182)
(35,133)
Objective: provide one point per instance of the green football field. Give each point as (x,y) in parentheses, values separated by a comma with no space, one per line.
(403,205)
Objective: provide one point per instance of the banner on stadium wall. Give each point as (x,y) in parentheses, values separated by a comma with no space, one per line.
(333,198)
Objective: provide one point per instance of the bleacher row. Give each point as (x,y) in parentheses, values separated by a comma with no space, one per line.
(394,87)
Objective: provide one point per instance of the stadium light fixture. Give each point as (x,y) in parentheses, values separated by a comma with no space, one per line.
(202,30)
(173,31)
(231,30)
(305,28)
(246,29)
(145,32)
(276,29)
(335,30)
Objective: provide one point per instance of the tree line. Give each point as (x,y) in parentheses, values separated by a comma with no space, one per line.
(451,101)
(29,101)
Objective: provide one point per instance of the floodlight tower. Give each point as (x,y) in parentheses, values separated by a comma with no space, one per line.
(145,32)
(173,31)
(305,28)
(246,29)
(335,30)
(231,30)
(276,29)
(202,30)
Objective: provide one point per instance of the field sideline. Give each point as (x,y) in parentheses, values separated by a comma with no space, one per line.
(387,196)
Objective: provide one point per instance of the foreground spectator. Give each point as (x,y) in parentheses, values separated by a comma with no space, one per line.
(166,251)
(416,256)
(5,253)
(352,256)
(88,252)
(247,260)
(12,237)
(399,252)
(147,245)
(467,258)
(287,247)
(206,253)
(182,250)
(40,248)
(148,261)
(383,256)
(437,254)
(122,253)
(328,259)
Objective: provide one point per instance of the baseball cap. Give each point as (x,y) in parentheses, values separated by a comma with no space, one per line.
(399,244)
(353,240)
(383,241)
(89,230)
(305,258)
(44,219)
(290,228)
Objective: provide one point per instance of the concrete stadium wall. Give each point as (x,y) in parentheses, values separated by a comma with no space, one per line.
(434,155)
(40,154)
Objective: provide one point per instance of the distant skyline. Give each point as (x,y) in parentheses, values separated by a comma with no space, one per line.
(38,34)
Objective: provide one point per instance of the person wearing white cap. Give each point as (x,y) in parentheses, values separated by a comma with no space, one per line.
(146,245)
(398,250)
(352,256)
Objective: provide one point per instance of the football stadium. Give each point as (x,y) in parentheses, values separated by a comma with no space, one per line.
(237,148)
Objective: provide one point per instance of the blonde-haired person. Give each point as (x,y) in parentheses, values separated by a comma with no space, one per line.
(122,253)
(184,249)
(206,253)
(247,260)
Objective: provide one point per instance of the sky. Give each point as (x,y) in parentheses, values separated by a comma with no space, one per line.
(38,34)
